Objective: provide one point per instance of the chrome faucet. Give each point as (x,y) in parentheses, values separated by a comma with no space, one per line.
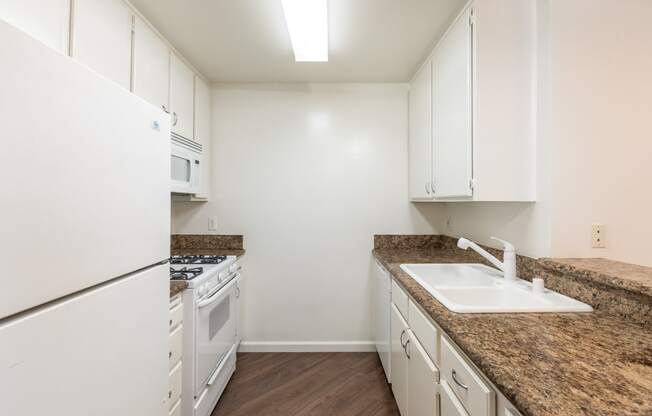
(508,265)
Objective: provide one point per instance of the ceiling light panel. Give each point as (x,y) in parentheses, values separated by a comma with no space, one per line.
(307,23)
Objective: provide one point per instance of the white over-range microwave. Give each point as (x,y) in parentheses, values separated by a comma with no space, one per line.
(186,158)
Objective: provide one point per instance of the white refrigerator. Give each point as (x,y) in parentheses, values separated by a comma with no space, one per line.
(85,211)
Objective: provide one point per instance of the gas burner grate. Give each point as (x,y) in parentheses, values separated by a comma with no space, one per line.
(185,273)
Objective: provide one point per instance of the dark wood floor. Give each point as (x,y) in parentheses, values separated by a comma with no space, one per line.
(307,384)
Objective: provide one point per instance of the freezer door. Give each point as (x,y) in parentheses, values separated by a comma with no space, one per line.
(85,171)
(101,353)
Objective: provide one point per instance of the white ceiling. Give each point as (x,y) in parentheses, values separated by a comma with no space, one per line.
(247,40)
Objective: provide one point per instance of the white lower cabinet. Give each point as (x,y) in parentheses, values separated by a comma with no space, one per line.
(450,406)
(175,354)
(473,393)
(414,375)
(176,409)
(399,360)
(430,376)
(423,378)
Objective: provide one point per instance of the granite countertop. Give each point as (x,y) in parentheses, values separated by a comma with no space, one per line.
(238,252)
(545,364)
(176,287)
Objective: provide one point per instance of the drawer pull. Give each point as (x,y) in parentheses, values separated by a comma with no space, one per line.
(462,385)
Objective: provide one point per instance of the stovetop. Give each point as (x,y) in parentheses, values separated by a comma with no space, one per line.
(197,269)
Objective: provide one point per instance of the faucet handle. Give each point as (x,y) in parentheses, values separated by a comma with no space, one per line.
(506,244)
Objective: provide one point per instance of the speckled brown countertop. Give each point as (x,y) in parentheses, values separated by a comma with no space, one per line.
(545,364)
(177,286)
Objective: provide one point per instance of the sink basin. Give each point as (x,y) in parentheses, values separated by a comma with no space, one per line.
(476,288)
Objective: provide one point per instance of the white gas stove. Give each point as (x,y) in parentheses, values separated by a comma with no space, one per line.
(210,327)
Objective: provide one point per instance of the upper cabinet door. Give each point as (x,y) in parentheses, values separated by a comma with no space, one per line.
(203,134)
(45,20)
(452,111)
(202,112)
(102,38)
(419,135)
(181,97)
(151,66)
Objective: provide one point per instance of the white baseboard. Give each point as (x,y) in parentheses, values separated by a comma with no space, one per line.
(307,346)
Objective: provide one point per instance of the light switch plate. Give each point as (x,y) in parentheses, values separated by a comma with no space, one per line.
(212,223)
(598,237)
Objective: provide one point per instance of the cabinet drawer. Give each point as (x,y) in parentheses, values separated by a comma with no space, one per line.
(176,316)
(400,299)
(176,346)
(176,409)
(175,385)
(448,403)
(425,332)
(477,398)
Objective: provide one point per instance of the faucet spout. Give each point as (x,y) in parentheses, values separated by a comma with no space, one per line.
(508,265)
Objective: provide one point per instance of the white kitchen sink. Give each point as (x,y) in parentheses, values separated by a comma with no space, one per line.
(476,288)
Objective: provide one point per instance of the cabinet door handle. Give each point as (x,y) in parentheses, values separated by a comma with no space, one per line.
(401,338)
(432,187)
(165,108)
(237,292)
(459,383)
(175,119)
(405,348)
(428,188)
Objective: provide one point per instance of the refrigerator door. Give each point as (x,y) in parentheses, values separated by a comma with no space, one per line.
(85,170)
(102,352)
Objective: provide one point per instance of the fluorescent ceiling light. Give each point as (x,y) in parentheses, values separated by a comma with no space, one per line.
(307,22)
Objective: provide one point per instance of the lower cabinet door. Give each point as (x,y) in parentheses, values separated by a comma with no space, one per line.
(423,377)
(450,406)
(399,360)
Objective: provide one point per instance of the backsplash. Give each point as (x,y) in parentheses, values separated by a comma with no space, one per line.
(207,242)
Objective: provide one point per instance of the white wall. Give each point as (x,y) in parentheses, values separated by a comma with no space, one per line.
(308,173)
(601,78)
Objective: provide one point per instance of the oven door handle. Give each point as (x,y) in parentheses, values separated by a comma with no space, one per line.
(211,299)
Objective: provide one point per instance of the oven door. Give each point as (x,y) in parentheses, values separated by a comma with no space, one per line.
(216,332)
(185,170)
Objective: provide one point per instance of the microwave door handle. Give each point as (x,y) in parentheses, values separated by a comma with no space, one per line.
(216,295)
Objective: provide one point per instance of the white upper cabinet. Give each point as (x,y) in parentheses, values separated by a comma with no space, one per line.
(151,66)
(452,111)
(181,97)
(102,38)
(203,133)
(483,115)
(45,20)
(419,134)
(202,111)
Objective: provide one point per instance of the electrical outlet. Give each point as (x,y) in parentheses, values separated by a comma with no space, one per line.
(598,237)
(212,223)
